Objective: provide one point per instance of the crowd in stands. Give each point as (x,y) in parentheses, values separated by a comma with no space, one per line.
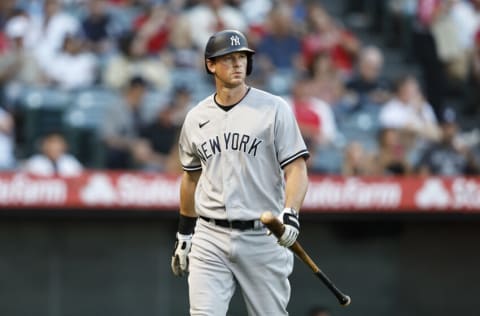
(110,81)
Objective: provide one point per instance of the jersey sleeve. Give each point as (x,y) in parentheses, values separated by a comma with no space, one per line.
(289,142)
(188,158)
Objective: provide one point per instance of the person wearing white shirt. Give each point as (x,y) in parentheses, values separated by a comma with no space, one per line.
(46,33)
(53,159)
(212,16)
(412,116)
(72,67)
(409,111)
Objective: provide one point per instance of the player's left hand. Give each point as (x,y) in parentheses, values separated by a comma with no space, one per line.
(289,218)
(180,255)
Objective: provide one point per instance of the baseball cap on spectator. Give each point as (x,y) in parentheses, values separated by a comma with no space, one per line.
(17,27)
(449,116)
(138,81)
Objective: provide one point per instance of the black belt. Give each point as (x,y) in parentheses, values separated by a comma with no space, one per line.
(240,225)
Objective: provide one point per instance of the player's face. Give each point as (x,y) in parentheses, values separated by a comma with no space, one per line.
(231,69)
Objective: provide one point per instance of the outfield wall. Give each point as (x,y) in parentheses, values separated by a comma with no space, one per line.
(101,263)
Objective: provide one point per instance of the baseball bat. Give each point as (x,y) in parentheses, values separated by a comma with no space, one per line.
(277,228)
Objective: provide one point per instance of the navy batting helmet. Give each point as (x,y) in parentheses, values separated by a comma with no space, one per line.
(226,42)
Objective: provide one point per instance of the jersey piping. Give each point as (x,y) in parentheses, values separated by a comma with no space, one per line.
(192,168)
(303,153)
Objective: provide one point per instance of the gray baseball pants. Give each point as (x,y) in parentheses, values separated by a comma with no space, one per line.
(222,258)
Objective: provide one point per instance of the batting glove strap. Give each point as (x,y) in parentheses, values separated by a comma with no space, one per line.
(289,217)
(179,262)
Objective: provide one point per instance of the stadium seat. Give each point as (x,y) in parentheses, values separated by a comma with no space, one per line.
(41,110)
(82,121)
(361,125)
(88,107)
(154,102)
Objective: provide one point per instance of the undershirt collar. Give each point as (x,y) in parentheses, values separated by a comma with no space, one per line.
(227,108)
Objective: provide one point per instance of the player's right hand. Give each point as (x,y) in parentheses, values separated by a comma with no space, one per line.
(180,254)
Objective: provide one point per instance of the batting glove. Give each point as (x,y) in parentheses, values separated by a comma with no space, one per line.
(289,218)
(180,254)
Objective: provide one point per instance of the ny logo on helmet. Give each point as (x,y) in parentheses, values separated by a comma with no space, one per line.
(234,40)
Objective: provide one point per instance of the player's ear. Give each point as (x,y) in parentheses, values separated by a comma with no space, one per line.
(211,65)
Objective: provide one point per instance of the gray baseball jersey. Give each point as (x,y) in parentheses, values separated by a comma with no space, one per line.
(241,153)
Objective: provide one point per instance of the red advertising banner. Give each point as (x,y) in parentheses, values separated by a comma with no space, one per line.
(144,191)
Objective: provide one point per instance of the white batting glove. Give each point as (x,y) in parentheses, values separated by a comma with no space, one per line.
(289,218)
(180,255)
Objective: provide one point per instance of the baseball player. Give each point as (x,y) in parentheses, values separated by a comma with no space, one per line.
(242,154)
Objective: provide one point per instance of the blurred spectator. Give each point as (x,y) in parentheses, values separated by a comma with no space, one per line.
(357,161)
(18,66)
(129,3)
(96,27)
(7,158)
(7,9)
(456,47)
(324,35)
(3,42)
(391,158)
(73,67)
(473,106)
(299,10)
(120,131)
(367,84)
(256,18)
(182,50)
(134,61)
(319,311)
(426,52)
(210,16)
(448,157)
(409,111)
(53,158)
(398,31)
(46,33)
(278,53)
(159,150)
(314,116)
(152,28)
(325,79)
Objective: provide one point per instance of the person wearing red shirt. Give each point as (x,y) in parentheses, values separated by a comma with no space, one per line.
(152,28)
(326,36)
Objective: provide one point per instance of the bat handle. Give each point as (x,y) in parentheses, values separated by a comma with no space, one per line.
(343,299)
(277,228)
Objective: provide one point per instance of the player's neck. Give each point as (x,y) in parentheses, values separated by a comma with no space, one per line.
(227,96)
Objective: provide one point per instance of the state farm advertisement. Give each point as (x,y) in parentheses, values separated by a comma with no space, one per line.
(144,191)
(394,194)
(92,190)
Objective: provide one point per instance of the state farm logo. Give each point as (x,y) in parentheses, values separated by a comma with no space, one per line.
(433,194)
(24,190)
(98,190)
(130,190)
(353,193)
(466,193)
